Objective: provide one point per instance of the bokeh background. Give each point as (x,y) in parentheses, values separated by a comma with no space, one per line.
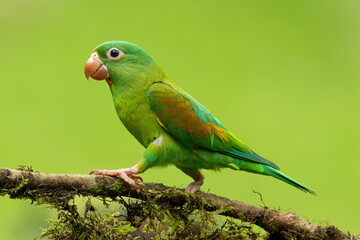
(282,75)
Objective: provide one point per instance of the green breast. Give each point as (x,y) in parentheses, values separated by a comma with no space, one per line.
(135,113)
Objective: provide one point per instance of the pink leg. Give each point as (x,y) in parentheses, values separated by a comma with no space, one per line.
(194,186)
(127,174)
(196,174)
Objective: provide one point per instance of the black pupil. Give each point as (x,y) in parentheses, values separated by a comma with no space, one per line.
(114,53)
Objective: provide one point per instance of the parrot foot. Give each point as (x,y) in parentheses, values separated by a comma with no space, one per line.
(194,186)
(127,174)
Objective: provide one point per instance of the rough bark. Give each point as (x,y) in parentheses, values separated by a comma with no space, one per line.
(29,185)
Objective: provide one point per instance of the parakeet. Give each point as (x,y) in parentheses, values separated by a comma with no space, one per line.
(172,126)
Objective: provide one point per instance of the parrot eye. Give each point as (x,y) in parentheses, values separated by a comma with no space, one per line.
(114,54)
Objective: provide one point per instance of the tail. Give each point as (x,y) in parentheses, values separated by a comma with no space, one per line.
(249,166)
(279,175)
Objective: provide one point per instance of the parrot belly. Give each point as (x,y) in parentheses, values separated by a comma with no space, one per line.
(165,150)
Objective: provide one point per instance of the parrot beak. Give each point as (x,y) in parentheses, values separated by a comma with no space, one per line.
(95,68)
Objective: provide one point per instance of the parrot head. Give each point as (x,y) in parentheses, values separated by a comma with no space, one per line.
(117,61)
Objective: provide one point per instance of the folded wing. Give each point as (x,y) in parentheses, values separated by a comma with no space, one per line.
(193,125)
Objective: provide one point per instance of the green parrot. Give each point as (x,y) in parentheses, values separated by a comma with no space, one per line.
(172,126)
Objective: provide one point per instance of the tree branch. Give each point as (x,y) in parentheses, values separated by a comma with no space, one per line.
(29,185)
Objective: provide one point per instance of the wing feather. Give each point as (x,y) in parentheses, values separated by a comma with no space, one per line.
(193,125)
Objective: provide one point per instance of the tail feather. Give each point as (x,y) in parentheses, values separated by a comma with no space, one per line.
(279,175)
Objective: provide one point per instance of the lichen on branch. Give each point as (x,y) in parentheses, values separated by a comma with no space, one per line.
(163,212)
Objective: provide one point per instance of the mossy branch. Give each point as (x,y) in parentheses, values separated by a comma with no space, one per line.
(59,187)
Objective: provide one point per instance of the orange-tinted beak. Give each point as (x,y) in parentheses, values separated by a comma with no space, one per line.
(95,68)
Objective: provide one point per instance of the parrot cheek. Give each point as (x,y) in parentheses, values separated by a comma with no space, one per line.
(95,68)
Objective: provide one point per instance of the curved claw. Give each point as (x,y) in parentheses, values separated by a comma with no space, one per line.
(134,177)
(141,183)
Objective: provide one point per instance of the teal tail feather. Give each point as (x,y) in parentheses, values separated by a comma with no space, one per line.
(250,166)
(279,175)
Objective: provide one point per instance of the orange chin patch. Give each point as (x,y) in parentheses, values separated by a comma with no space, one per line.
(108,80)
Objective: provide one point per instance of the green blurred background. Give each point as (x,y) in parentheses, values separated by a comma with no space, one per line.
(282,75)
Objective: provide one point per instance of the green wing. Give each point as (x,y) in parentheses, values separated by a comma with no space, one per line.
(193,125)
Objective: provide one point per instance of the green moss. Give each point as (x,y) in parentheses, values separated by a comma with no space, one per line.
(162,214)
(92,225)
(150,219)
(25,168)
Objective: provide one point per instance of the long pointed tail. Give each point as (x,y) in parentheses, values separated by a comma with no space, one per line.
(279,175)
(258,168)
